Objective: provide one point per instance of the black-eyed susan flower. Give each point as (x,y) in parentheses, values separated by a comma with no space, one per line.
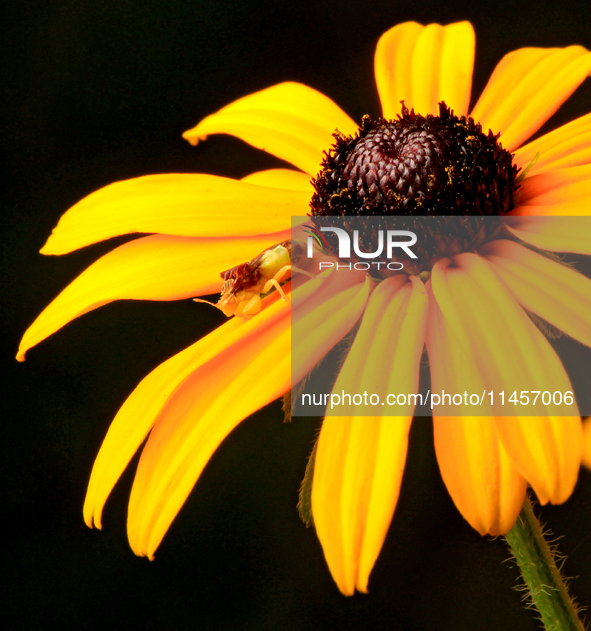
(468,308)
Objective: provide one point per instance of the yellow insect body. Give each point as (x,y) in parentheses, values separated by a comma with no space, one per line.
(246,283)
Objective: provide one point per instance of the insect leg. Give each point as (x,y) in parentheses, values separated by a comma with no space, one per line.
(273,283)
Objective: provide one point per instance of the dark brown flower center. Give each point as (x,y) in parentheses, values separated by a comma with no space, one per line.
(415,166)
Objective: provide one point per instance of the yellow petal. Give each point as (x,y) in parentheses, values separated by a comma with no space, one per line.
(567,146)
(560,187)
(547,450)
(141,409)
(423,65)
(586,460)
(289,120)
(491,326)
(574,208)
(360,458)
(137,415)
(480,477)
(511,355)
(392,66)
(190,427)
(506,77)
(555,292)
(191,205)
(281,178)
(252,371)
(340,301)
(158,267)
(557,234)
(527,87)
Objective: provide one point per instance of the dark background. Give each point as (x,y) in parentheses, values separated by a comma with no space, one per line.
(94,91)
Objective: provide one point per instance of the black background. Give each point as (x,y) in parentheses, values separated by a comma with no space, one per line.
(95,91)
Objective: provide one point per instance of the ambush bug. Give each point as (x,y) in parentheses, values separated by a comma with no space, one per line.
(246,283)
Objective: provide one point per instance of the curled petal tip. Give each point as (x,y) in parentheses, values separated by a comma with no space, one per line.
(23,348)
(50,249)
(192,139)
(362,588)
(345,588)
(92,519)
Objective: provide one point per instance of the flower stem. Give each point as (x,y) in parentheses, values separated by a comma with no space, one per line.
(543,580)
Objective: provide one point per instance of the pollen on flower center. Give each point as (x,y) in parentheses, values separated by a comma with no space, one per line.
(417,166)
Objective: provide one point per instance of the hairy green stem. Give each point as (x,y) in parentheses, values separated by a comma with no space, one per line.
(542,577)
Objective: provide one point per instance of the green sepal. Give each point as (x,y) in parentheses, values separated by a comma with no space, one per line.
(305,496)
(525,171)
